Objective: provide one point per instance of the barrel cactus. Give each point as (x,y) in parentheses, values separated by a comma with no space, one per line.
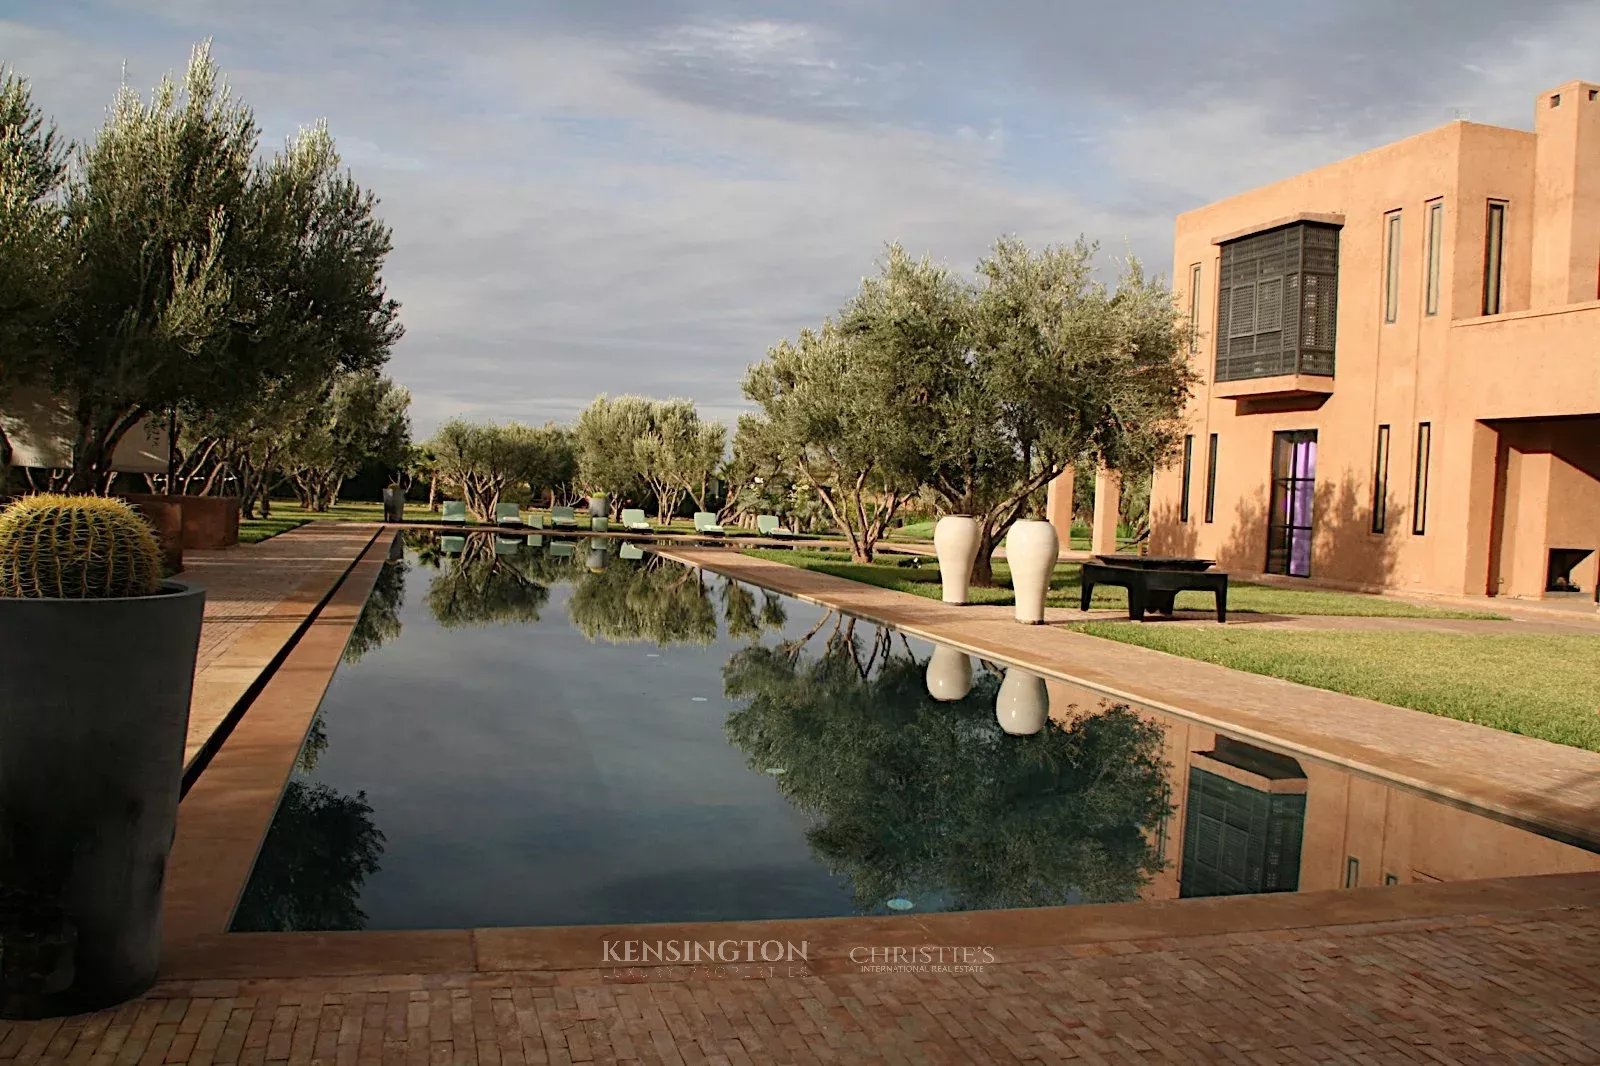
(76,547)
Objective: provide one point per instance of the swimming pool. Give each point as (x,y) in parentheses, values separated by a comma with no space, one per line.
(530,730)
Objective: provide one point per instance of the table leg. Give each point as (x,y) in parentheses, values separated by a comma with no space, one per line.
(1161,602)
(1222,604)
(1088,590)
(1136,603)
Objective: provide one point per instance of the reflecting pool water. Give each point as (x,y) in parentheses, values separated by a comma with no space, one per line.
(530,730)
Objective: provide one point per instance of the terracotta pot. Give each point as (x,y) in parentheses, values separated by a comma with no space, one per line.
(166,517)
(209,522)
(1023,703)
(949,674)
(1031,550)
(955,541)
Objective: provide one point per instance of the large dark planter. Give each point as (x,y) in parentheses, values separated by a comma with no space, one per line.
(94,712)
(394,505)
(209,522)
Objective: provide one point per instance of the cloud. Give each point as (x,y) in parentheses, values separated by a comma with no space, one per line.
(641,196)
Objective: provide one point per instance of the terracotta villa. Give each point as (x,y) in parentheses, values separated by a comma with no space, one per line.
(1400,363)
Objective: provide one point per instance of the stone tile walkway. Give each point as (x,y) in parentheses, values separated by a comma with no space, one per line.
(257,597)
(1520,987)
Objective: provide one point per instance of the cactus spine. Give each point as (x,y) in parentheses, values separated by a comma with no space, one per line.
(76,547)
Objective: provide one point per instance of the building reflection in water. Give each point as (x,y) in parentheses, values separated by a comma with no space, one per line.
(1245,818)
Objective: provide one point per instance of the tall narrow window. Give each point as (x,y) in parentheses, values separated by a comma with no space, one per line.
(1211,478)
(1352,871)
(1380,482)
(1419,511)
(1435,256)
(1188,476)
(1194,308)
(1391,266)
(1493,256)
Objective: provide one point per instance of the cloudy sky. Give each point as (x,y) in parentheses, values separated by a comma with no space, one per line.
(642,195)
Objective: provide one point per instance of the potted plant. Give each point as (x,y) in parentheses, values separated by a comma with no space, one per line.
(97,659)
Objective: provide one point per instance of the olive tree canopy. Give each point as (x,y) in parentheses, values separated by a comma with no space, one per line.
(198,279)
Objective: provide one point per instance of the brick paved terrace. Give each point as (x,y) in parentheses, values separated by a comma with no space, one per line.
(1518,986)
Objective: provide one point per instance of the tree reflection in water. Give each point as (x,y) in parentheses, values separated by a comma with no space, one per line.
(927,800)
(380,615)
(481,586)
(320,850)
(643,600)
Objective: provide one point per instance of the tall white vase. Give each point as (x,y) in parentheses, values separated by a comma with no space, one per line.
(1031,549)
(949,673)
(1023,703)
(955,541)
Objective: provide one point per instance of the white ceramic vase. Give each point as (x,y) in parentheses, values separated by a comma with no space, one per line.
(955,541)
(1022,704)
(949,674)
(1031,550)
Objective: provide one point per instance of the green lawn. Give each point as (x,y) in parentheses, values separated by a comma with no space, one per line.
(1543,686)
(256,530)
(923,580)
(923,532)
(287,515)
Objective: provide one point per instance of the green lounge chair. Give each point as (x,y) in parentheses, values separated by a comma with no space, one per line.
(535,540)
(630,550)
(706,522)
(535,520)
(633,521)
(562,549)
(767,525)
(454,512)
(507,514)
(563,518)
(452,545)
(506,545)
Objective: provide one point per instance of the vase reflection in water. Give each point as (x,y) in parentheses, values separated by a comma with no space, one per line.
(1023,702)
(949,674)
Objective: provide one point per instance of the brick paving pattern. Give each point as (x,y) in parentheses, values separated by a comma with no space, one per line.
(1519,987)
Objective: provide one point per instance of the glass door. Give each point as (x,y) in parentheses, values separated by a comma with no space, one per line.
(1294,475)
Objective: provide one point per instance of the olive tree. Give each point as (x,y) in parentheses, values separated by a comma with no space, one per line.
(606,433)
(361,417)
(484,460)
(1060,369)
(977,393)
(32,165)
(678,455)
(850,405)
(200,279)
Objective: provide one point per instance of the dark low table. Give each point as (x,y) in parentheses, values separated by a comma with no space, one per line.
(1153,582)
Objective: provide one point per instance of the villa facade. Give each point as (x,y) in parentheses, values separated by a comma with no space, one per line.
(1400,364)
